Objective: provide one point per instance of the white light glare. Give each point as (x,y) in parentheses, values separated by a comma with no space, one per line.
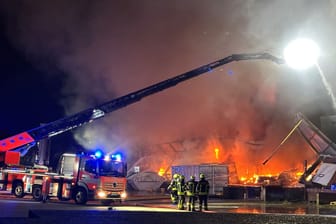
(301,53)
(101,194)
(123,195)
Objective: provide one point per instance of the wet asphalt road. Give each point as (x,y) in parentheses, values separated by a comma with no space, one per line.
(158,207)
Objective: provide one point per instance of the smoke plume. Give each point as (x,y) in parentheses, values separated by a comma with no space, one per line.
(107,49)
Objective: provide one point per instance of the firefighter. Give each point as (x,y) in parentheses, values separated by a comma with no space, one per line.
(202,190)
(45,188)
(181,192)
(172,188)
(191,193)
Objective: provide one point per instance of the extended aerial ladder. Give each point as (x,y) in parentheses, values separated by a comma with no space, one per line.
(27,139)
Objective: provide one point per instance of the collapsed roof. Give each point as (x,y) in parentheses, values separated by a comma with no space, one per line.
(325,150)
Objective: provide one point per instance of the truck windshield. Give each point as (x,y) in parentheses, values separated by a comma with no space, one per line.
(111,168)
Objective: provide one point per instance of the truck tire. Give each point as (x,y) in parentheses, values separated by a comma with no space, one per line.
(80,196)
(37,193)
(18,190)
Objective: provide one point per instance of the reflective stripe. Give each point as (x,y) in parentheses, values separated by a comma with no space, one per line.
(16,141)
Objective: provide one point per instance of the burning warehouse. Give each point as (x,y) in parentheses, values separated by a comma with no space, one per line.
(235,116)
(238,164)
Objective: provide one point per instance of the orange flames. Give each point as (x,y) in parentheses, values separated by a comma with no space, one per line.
(216,153)
(161,171)
(247,161)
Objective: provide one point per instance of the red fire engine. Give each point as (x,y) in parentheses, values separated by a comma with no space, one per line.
(13,176)
(84,177)
(80,177)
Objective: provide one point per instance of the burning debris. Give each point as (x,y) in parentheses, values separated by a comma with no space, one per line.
(244,160)
(245,123)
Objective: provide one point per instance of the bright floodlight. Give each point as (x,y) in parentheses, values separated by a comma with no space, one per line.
(301,53)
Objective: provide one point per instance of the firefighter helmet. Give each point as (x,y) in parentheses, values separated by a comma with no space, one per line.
(192,177)
(202,176)
(175,176)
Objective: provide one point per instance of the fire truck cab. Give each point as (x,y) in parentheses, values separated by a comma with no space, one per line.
(80,177)
(84,177)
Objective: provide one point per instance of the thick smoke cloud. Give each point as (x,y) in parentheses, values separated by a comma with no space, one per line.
(110,48)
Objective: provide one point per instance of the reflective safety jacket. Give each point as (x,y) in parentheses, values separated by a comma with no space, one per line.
(191,187)
(181,187)
(203,187)
(173,185)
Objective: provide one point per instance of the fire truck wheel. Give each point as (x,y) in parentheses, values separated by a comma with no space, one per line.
(80,196)
(37,193)
(18,190)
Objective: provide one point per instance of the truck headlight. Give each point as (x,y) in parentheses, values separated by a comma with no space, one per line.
(101,194)
(123,195)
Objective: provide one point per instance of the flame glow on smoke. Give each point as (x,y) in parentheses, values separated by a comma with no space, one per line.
(244,160)
(105,49)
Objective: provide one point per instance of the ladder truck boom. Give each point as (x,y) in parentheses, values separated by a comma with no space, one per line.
(30,137)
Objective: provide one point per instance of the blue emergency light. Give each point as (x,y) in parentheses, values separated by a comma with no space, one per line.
(98,154)
(116,157)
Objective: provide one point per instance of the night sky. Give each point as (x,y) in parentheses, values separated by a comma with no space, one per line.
(28,98)
(61,57)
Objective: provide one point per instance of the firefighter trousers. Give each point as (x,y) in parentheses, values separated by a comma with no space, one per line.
(191,203)
(181,202)
(203,200)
